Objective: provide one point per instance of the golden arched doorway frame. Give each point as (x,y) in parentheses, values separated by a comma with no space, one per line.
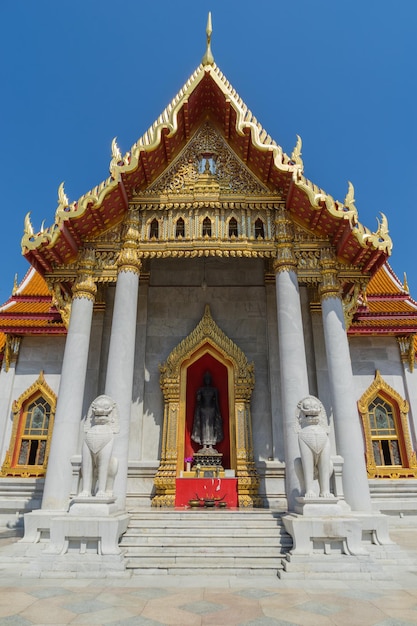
(207,337)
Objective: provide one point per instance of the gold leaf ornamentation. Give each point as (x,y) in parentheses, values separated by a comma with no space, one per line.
(207,336)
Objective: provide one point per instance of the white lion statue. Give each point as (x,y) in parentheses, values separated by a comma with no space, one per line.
(313,439)
(98,466)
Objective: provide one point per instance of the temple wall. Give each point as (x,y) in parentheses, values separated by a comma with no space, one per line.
(19,495)
(382,353)
(36,354)
(369,354)
(178,292)
(170,305)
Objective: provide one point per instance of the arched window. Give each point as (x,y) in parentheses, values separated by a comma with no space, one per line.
(31,433)
(259,229)
(180,228)
(233,227)
(154,229)
(388,447)
(207,227)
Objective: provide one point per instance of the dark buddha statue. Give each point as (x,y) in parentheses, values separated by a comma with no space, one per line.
(207,426)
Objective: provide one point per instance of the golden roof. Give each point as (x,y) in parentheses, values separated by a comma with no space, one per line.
(30,310)
(389,308)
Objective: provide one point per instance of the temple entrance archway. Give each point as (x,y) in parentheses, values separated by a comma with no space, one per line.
(207,347)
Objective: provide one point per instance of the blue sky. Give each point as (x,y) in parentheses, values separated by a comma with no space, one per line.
(76,73)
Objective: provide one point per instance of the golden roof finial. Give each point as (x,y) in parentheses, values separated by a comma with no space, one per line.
(208,58)
(15,286)
(296,153)
(28,228)
(405,285)
(62,198)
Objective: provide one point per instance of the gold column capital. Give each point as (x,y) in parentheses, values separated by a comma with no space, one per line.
(329,286)
(84,286)
(407,351)
(284,235)
(128,259)
(11,351)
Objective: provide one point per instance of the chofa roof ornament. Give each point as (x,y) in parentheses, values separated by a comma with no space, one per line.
(208,58)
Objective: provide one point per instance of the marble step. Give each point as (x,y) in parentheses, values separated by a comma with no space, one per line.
(232,532)
(228,512)
(212,572)
(188,541)
(203,539)
(207,515)
(191,562)
(199,523)
(203,551)
(347,567)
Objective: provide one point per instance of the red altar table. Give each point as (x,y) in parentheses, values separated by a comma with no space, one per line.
(220,488)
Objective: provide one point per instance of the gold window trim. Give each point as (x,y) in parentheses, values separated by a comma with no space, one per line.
(207,337)
(39,389)
(401,407)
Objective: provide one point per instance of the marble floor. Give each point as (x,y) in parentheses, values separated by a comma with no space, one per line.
(198,600)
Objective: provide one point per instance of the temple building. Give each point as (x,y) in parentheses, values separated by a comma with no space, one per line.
(207,250)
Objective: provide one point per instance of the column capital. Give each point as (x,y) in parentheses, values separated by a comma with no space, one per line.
(128,259)
(11,351)
(329,286)
(407,351)
(284,235)
(84,286)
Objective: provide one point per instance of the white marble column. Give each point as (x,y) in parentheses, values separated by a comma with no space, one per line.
(293,365)
(71,390)
(349,438)
(7,378)
(120,365)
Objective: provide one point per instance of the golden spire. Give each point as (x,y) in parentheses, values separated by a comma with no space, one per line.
(208,58)
(15,286)
(405,285)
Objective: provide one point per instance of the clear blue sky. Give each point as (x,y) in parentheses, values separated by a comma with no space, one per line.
(76,73)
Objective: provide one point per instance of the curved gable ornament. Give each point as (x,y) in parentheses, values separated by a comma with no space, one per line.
(207,331)
(207,336)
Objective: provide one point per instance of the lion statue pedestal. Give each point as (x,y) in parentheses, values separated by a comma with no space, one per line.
(93,524)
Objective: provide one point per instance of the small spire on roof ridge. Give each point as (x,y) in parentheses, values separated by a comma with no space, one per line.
(15,286)
(405,284)
(208,58)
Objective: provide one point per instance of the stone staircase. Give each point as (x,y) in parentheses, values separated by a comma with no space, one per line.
(387,562)
(214,541)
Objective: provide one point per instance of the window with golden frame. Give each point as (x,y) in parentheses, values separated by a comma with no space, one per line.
(388,446)
(33,420)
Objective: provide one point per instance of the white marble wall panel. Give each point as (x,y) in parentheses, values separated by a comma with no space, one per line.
(41,353)
(36,354)
(369,354)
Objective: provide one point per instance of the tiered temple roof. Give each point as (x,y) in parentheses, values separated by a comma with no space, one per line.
(207,95)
